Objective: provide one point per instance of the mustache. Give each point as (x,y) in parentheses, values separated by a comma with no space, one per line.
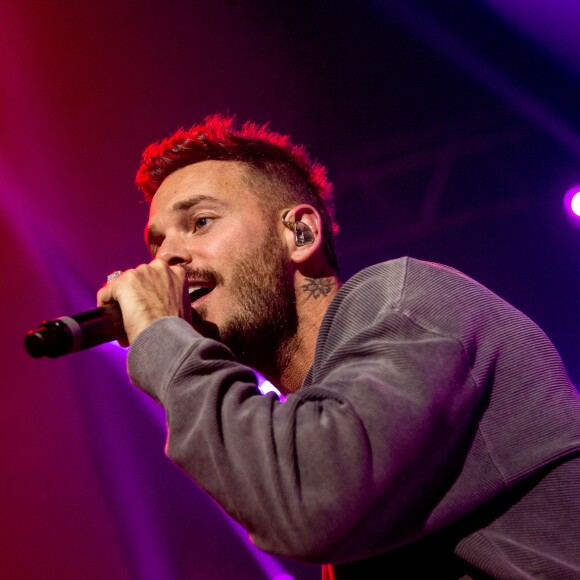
(207,275)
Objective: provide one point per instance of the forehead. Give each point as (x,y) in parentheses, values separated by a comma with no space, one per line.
(228,182)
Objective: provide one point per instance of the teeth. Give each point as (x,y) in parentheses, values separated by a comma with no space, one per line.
(198,290)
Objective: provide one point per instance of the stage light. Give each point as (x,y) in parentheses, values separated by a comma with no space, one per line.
(575,204)
(572,205)
(265,386)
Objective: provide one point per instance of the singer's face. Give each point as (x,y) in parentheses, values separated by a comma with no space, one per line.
(206,217)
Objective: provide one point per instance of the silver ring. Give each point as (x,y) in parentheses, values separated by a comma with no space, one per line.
(114,275)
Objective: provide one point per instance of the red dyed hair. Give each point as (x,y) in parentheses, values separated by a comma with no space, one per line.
(271,154)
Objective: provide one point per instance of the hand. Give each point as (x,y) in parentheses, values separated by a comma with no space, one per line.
(147,293)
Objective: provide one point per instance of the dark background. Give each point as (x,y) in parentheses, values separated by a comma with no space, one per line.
(450,129)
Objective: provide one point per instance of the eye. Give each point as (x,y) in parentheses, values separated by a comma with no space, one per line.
(199,223)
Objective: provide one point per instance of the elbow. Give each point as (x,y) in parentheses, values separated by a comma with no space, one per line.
(315,537)
(314,549)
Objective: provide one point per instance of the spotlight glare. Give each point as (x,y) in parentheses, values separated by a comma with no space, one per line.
(575,204)
(572,205)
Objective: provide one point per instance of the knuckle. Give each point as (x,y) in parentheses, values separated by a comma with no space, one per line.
(158,264)
(139,270)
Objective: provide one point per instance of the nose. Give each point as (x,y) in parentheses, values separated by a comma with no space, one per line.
(174,251)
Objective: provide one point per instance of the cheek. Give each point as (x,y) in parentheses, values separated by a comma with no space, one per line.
(228,243)
(226,254)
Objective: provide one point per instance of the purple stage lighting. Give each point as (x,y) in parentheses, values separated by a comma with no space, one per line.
(572,205)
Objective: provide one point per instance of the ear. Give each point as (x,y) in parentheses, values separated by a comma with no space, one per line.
(302,217)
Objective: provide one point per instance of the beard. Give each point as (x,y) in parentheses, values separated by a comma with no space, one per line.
(264,319)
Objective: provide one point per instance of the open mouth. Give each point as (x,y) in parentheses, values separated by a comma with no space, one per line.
(196,292)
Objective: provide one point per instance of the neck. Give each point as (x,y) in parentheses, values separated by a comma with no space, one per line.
(296,354)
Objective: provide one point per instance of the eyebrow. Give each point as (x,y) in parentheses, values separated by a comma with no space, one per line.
(181,206)
(188,203)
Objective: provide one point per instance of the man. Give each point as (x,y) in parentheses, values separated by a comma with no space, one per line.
(429,427)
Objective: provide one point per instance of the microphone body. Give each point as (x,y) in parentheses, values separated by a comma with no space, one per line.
(54,338)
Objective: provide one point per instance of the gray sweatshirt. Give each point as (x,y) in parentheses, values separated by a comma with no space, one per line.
(436,433)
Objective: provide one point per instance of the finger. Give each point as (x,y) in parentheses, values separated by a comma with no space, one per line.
(160,265)
(175,274)
(107,293)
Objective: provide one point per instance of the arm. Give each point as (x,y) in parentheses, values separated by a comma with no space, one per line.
(366,451)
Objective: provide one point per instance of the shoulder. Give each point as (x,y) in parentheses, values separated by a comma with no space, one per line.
(397,277)
(414,287)
(434,298)
(391,299)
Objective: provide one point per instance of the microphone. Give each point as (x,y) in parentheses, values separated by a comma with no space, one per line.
(54,338)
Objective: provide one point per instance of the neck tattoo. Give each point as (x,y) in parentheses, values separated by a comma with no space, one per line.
(317,287)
